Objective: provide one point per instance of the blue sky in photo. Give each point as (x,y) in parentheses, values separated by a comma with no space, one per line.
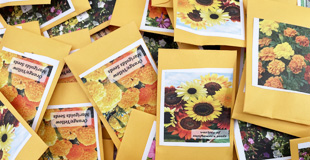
(21,134)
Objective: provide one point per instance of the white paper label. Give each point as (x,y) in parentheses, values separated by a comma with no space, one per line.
(210,134)
(71,119)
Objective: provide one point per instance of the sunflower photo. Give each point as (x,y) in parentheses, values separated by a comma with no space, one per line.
(25,80)
(74,140)
(123,82)
(222,18)
(13,135)
(255,142)
(196,107)
(281,58)
(155,19)
(304,151)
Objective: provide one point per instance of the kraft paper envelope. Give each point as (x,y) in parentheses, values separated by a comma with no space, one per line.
(148,18)
(295,129)
(95,19)
(5,3)
(71,127)
(162,3)
(77,39)
(108,149)
(209,27)
(117,79)
(300,148)
(277,66)
(18,139)
(139,139)
(47,15)
(30,73)
(189,121)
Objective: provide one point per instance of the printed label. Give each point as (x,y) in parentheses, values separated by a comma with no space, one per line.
(66,72)
(125,66)
(28,69)
(71,119)
(26,8)
(210,134)
(82,16)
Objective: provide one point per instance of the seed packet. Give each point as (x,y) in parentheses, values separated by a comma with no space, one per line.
(108,149)
(103,33)
(17,139)
(117,79)
(278,62)
(30,73)
(71,127)
(139,140)
(195,99)
(78,40)
(209,22)
(47,15)
(148,18)
(162,3)
(255,142)
(95,19)
(300,148)
(5,3)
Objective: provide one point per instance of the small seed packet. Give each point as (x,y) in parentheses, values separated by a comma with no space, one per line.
(195,99)
(71,127)
(300,148)
(139,141)
(17,139)
(47,15)
(30,73)
(117,79)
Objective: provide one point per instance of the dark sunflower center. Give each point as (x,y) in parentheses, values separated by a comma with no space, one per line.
(189,124)
(195,16)
(4,137)
(233,11)
(192,91)
(212,87)
(205,2)
(237,0)
(214,16)
(167,117)
(203,109)
(172,98)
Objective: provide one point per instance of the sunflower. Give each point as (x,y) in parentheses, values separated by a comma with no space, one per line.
(191,90)
(6,136)
(225,97)
(214,83)
(194,19)
(172,100)
(205,4)
(203,109)
(169,117)
(5,155)
(237,2)
(234,11)
(184,6)
(215,16)
(223,121)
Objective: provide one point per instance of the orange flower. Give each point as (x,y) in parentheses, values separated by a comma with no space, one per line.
(130,80)
(148,95)
(264,42)
(68,132)
(307,74)
(19,82)
(267,54)
(156,11)
(289,32)
(86,135)
(275,82)
(24,107)
(260,70)
(47,114)
(302,40)
(76,152)
(89,154)
(9,92)
(147,74)
(129,98)
(61,147)
(149,109)
(297,64)
(34,91)
(48,134)
(275,67)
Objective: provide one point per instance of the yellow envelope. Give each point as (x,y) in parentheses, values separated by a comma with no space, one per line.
(292,2)
(114,77)
(139,138)
(300,148)
(23,2)
(30,73)
(148,18)
(226,27)
(71,127)
(163,3)
(108,149)
(278,80)
(188,69)
(20,142)
(77,39)
(48,15)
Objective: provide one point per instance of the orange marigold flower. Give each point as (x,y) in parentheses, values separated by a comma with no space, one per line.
(274,82)
(264,42)
(76,152)
(24,107)
(86,135)
(289,32)
(130,80)
(34,91)
(149,109)
(302,40)
(61,147)
(275,67)
(68,132)
(267,54)
(49,135)
(297,64)
(47,114)
(307,57)
(8,56)
(19,82)
(260,69)
(129,98)
(148,95)
(89,154)
(147,74)
(9,92)
(156,11)
(307,74)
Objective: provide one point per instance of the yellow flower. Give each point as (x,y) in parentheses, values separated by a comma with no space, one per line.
(5,155)
(267,26)
(49,135)
(1,61)
(129,98)
(86,135)
(9,92)
(61,147)
(237,2)
(184,6)
(19,82)
(130,80)
(225,97)
(96,90)
(48,112)
(215,16)
(191,89)
(284,50)
(118,122)
(193,18)
(110,101)
(203,109)
(6,136)
(205,4)
(34,91)
(98,74)
(214,83)
(8,56)
(276,67)
(4,76)
(68,132)
(169,117)
(147,74)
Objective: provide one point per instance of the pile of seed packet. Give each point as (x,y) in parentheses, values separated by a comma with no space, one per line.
(154,79)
